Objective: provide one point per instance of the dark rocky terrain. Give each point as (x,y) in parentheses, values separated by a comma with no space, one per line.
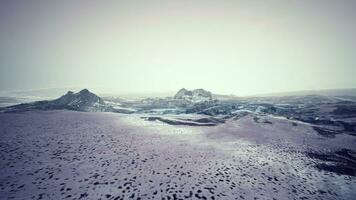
(194,95)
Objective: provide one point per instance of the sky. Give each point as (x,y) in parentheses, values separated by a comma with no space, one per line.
(240,47)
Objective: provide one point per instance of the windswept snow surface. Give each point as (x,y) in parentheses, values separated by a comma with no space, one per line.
(77,155)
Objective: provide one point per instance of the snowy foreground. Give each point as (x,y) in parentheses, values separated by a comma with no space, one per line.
(78,155)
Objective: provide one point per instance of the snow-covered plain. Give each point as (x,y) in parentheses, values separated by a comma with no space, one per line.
(79,155)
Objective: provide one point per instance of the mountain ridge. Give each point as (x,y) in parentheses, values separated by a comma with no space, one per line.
(193,95)
(83,100)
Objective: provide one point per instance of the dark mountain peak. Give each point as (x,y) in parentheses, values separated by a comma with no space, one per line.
(83,100)
(85,91)
(201,92)
(181,93)
(183,90)
(86,95)
(69,93)
(195,95)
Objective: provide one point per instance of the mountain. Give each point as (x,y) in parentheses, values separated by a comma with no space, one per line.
(196,95)
(81,101)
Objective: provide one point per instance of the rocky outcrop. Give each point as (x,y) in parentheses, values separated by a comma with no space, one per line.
(193,95)
(81,101)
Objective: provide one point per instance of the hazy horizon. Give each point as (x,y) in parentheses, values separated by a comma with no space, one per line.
(227,47)
(44,93)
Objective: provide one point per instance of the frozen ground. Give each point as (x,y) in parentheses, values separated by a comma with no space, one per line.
(77,155)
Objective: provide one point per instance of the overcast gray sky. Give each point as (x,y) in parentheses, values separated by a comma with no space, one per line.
(232,47)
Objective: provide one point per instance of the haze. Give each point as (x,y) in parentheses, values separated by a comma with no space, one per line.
(228,47)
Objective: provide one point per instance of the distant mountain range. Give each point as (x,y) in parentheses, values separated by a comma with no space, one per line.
(51,93)
(314,109)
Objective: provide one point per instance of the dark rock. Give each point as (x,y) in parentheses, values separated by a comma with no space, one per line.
(341,162)
(81,101)
(195,95)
